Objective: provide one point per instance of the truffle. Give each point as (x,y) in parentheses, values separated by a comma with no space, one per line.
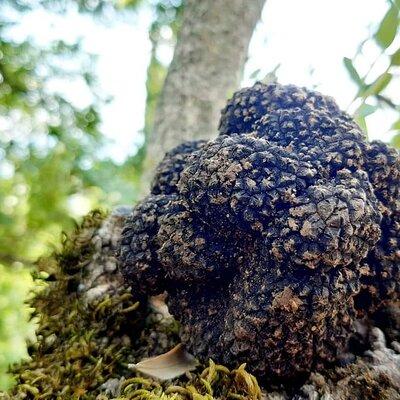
(249,105)
(168,172)
(381,271)
(138,249)
(272,237)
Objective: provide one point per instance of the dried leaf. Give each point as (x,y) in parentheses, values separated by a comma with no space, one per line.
(169,365)
(157,303)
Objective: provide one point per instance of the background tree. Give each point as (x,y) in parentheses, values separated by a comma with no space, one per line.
(207,66)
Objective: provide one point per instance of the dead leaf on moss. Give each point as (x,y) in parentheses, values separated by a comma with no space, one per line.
(157,303)
(167,366)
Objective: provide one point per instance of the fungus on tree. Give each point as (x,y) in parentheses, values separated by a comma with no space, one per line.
(272,237)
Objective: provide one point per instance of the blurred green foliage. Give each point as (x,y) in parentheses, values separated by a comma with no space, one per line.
(49,148)
(15,327)
(378,83)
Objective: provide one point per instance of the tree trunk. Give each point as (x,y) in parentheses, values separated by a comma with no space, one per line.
(206,68)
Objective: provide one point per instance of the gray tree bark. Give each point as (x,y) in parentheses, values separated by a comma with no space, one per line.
(206,68)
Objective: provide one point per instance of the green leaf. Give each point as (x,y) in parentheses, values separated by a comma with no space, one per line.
(396,141)
(388,27)
(395,58)
(361,122)
(365,109)
(396,126)
(353,72)
(255,73)
(377,87)
(361,113)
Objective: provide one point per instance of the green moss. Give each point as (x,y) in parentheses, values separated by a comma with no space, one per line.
(214,381)
(80,347)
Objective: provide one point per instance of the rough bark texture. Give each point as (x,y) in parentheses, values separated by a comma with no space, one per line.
(206,68)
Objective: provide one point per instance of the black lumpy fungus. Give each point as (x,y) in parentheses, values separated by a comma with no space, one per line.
(273,237)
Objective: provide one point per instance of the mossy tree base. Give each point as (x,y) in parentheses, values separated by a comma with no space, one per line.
(91,330)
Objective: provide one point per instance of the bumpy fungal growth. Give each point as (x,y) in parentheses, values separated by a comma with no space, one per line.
(249,105)
(169,170)
(381,272)
(273,237)
(138,246)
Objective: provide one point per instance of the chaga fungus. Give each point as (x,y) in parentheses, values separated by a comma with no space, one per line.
(273,237)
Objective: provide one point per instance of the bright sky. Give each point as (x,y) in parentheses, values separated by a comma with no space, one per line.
(308,38)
